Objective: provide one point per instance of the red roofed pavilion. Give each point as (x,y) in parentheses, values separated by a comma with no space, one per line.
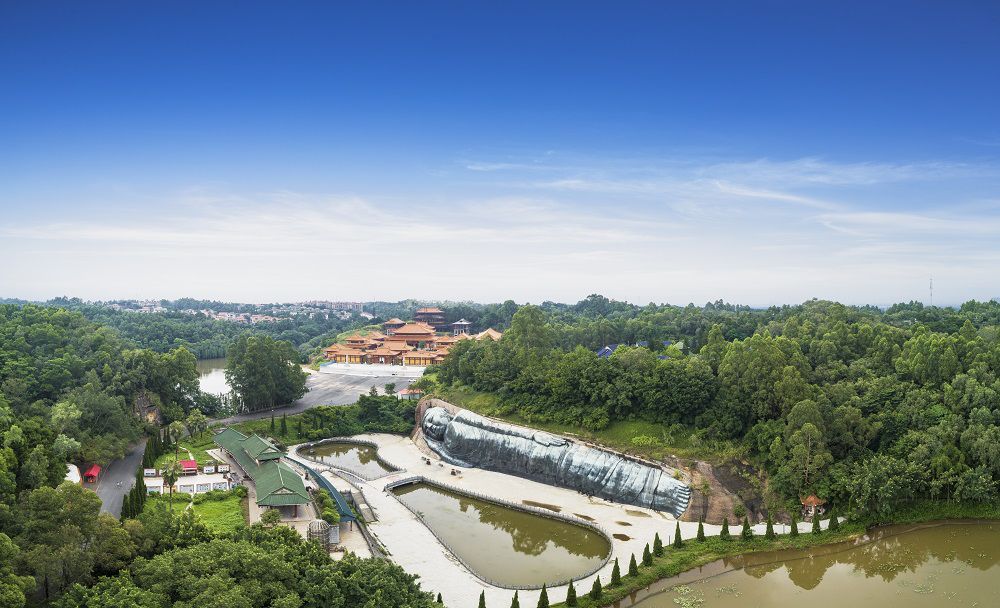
(92,473)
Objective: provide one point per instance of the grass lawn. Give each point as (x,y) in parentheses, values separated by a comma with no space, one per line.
(656,442)
(198,447)
(223,514)
(263,428)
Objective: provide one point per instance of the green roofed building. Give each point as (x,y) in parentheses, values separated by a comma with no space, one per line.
(278,485)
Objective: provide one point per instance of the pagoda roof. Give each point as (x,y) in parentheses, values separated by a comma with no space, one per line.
(383,351)
(812,501)
(430,309)
(414,329)
(462,322)
(490,333)
(394,321)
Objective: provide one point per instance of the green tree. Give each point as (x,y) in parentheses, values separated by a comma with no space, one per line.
(815,524)
(514,603)
(264,373)
(482,599)
(571,595)
(595,589)
(633,567)
(769,531)
(543,599)
(747,532)
(270,518)
(175,430)
(284,426)
(657,545)
(616,575)
(171,473)
(678,542)
(793,530)
(196,423)
(834,524)
(724,533)
(701,531)
(647,556)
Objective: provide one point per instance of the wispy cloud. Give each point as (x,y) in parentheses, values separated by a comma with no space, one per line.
(680,230)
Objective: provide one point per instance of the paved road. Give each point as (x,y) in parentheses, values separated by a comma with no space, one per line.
(328,389)
(122,470)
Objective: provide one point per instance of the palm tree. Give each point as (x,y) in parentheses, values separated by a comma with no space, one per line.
(170,475)
(175,430)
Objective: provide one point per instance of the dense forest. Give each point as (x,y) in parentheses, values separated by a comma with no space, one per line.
(67,389)
(867,407)
(206,338)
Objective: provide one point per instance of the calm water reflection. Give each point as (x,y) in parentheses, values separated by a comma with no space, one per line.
(351,456)
(212,375)
(945,564)
(507,545)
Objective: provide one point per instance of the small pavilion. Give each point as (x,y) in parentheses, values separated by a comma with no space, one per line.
(92,473)
(813,506)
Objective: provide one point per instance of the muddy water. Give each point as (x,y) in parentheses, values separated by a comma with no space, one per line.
(506,545)
(932,565)
(212,376)
(351,456)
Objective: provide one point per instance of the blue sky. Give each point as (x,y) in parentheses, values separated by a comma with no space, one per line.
(756,152)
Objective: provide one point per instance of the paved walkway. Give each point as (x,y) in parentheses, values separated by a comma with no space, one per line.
(412,546)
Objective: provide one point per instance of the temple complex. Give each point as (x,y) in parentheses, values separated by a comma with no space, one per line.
(421,342)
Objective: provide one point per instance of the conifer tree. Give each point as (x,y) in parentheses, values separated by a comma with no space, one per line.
(724,534)
(543,599)
(439,600)
(816,529)
(795,526)
(284,426)
(272,423)
(514,603)
(647,557)
(633,568)
(298,428)
(701,531)
(678,543)
(616,575)
(746,532)
(834,522)
(769,531)
(482,599)
(657,545)
(595,589)
(571,595)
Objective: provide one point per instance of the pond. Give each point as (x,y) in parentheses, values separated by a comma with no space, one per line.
(923,566)
(354,457)
(509,546)
(212,376)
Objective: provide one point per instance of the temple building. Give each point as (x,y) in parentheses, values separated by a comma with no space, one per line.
(432,316)
(416,343)
(460,327)
(278,486)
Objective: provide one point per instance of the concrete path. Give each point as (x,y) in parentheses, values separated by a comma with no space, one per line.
(122,470)
(413,547)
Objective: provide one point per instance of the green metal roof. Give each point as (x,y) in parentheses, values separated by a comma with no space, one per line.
(277,484)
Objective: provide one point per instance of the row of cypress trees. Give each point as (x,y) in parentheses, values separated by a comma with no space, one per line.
(596,590)
(135,500)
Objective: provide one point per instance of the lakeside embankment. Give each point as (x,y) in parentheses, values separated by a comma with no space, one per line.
(693,554)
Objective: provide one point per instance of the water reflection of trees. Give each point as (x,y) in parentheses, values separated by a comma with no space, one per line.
(530,534)
(977,546)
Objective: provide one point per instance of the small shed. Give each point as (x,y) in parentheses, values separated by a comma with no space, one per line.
(812,506)
(411,394)
(92,473)
(188,467)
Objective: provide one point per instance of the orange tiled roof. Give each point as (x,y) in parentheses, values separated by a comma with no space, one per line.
(414,329)
(490,333)
(812,501)
(430,309)
(394,321)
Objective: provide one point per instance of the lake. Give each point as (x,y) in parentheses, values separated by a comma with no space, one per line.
(507,545)
(919,566)
(212,375)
